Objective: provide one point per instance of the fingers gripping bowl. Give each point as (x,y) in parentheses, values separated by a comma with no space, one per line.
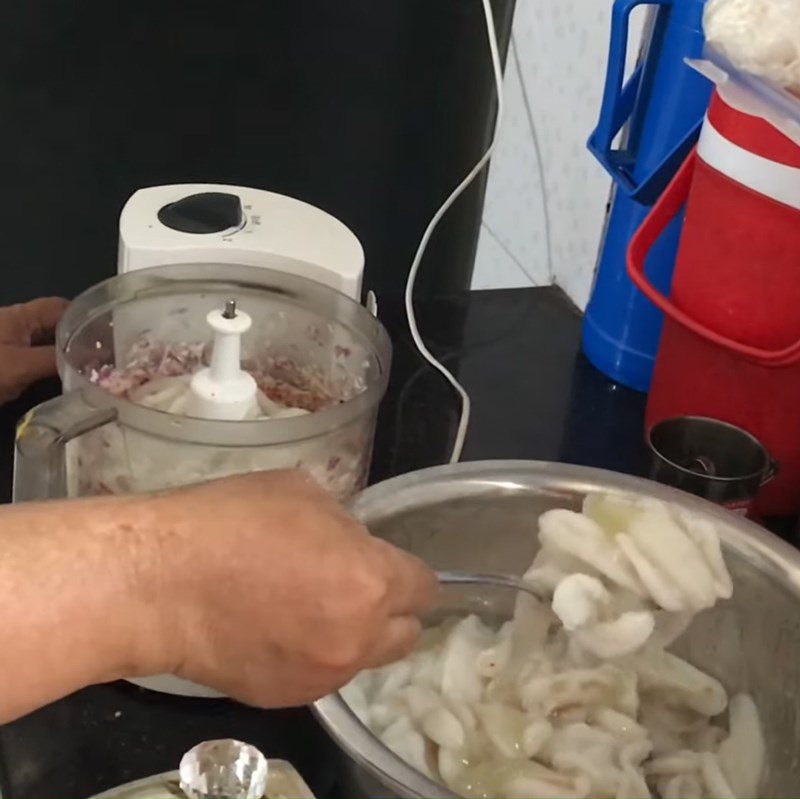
(484,518)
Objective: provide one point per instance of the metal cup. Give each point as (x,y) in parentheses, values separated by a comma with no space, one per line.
(711,459)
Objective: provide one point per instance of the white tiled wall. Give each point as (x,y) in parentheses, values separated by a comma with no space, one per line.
(546,197)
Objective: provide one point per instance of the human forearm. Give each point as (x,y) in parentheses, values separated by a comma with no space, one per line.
(78,590)
(260,586)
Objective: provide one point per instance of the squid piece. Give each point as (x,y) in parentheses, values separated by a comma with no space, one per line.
(680,682)
(443,728)
(493,660)
(632,784)
(687,773)
(613,512)
(534,780)
(426,669)
(531,625)
(627,698)
(505,727)
(583,604)
(704,533)
(614,639)
(384,714)
(674,764)
(462,682)
(578,688)
(452,764)
(717,786)
(664,742)
(657,586)
(624,728)
(517,779)
(391,679)
(466,716)
(580,600)
(476,750)
(364,681)
(681,786)
(420,701)
(407,743)
(551,566)
(581,750)
(742,754)
(529,647)
(584,539)
(535,737)
(671,729)
(676,556)
(706,739)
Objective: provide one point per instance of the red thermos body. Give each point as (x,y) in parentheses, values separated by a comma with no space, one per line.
(730,348)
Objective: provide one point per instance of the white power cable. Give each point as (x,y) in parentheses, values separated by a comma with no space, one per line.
(466,405)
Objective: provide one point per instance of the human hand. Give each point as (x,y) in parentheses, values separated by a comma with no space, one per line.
(26,335)
(273,595)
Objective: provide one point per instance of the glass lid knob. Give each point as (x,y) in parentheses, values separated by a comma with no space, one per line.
(223,769)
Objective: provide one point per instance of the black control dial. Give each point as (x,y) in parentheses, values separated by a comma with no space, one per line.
(208,212)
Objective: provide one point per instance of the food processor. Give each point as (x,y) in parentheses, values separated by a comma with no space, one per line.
(193,371)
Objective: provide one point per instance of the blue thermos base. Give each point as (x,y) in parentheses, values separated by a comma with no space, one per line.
(617,360)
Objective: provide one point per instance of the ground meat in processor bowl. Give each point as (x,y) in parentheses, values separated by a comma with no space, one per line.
(114,459)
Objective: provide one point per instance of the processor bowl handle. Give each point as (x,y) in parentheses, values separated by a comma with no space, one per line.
(40,471)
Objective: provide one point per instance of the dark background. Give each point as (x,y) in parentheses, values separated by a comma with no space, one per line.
(370,109)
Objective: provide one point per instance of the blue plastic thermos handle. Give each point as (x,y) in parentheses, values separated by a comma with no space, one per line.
(661,110)
(619,99)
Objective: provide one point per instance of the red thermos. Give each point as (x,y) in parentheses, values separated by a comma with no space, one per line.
(730,348)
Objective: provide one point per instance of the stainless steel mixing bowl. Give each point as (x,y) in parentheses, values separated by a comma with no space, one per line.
(483,517)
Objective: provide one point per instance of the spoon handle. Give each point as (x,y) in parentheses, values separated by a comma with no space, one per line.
(467,578)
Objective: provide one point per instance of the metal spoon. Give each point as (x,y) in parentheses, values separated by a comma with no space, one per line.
(501,580)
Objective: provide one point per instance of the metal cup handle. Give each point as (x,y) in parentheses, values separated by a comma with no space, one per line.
(771,472)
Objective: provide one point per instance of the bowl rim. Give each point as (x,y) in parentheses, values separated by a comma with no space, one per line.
(454,481)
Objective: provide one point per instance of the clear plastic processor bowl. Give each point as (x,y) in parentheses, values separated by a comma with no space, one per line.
(92,441)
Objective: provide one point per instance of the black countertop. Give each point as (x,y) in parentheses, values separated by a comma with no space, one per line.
(534,397)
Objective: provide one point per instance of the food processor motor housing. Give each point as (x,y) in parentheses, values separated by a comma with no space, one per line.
(208,223)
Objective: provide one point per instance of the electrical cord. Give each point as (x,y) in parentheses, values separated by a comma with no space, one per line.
(466,404)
